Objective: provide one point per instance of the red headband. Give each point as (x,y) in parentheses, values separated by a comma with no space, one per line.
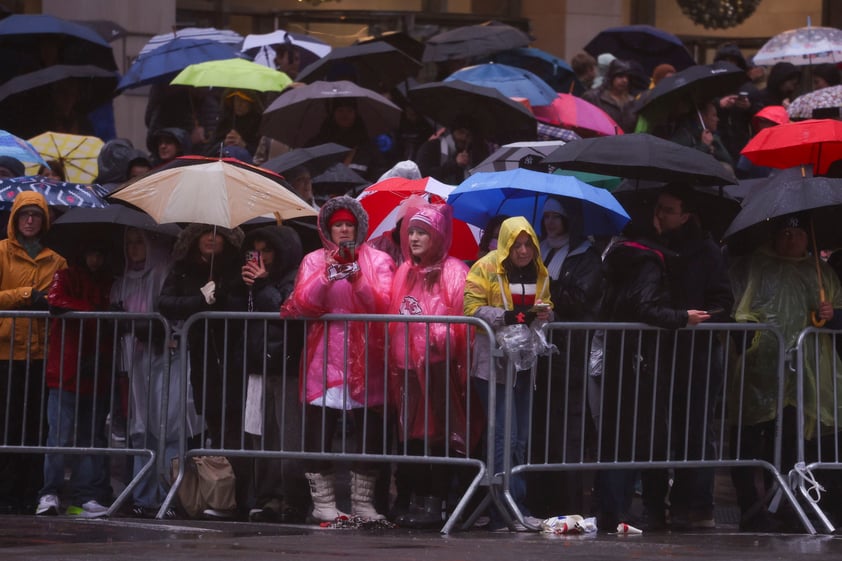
(342,215)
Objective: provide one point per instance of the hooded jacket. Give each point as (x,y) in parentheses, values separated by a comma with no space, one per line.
(352,357)
(487,293)
(434,286)
(780,73)
(20,274)
(626,115)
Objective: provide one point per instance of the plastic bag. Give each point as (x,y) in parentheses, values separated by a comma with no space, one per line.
(523,344)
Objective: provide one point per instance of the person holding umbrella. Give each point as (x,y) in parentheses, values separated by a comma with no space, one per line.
(509,286)
(449,156)
(342,369)
(239,124)
(698,130)
(778,284)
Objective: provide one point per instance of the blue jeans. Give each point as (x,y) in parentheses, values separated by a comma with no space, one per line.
(151,490)
(66,429)
(519,430)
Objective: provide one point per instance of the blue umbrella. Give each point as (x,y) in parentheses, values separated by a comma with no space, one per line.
(648,45)
(522,192)
(551,69)
(163,63)
(57,193)
(23,36)
(19,149)
(508,80)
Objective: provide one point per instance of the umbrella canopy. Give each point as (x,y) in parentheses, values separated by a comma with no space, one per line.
(510,81)
(692,86)
(473,41)
(802,107)
(259,46)
(522,192)
(76,153)
(160,65)
(232,73)
(25,38)
(224,192)
(572,112)
(551,69)
(224,36)
(315,158)
(116,214)
(549,132)
(714,206)
(337,179)
(57,193)
(447,102)
(383,199)
(11,145)
(371,65)
(97,83)
(820,197)
(530,155)
(817,142)
(399,40)
(642,156)
(802,46)
(296,116)
(646,44)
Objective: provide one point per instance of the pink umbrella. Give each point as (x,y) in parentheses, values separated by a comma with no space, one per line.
(571,112)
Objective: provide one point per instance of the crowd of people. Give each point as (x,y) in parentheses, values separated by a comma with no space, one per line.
(665,271)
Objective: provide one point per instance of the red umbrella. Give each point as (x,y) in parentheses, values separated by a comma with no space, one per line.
(817,142)
(382,201)
(571,112)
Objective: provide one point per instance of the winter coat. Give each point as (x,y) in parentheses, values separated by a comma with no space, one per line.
(782,292)
(353,356)
(434,287)
(71,340)
(625,116)
(689,133)
(267,295)
(437,158)
(487,292)
(20,274)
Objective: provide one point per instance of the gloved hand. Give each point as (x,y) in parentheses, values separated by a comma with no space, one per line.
(38,300)
(511,317)
(209,292)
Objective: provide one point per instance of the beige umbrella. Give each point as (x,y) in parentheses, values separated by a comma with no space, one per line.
(210,191)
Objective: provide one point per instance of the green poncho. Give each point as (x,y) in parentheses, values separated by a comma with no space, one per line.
(782,291)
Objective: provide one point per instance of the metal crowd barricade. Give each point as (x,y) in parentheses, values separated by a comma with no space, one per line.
(816,363)
(106,384)
(218,368)
(594,412)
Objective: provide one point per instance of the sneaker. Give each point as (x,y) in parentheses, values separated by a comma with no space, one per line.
(48,505)
(90,509)
(216,514)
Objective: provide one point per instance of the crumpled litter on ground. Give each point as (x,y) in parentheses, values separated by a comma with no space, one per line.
(568,524)
(358,523)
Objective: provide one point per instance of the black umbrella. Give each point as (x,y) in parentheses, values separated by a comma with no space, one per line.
(398,39)
(819,197)
(641,156)
(115,214)
(97,84)
(690,87)
(646,44)
(316,158)
(714,207)
(297,115)
(338,179)
(473,41)
(497,117)
(372,65)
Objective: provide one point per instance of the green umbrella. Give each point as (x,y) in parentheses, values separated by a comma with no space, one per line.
(232,73)
(609,182)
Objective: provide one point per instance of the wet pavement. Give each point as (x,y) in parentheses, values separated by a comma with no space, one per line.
(72,539)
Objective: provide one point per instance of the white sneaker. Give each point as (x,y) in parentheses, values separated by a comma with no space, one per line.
(48,505)
(91,509)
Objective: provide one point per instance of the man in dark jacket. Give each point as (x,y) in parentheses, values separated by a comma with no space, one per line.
(628,396)
(698,279)
(736,110)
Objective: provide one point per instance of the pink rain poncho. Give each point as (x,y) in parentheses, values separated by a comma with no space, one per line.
(344,363)
(426,360)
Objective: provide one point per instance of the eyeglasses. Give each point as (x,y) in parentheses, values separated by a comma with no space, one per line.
(33,214)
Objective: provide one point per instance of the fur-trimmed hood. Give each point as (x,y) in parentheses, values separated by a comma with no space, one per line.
(188,237)
(334,204)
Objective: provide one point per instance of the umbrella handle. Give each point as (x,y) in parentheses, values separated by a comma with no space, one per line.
(813,318)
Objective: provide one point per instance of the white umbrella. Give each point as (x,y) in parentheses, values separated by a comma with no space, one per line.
(802,46)
(265,54)
(218,192)
(219,35)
